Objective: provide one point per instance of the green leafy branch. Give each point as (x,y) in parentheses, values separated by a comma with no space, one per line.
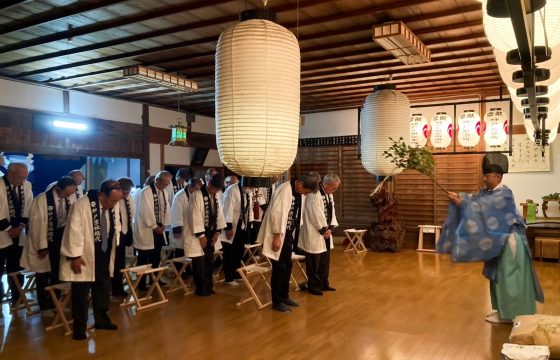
(406,157)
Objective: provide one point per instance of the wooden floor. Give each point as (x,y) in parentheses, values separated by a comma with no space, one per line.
(387,306)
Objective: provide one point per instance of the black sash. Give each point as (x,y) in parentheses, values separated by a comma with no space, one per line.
(95,221)
(210,214)
(127,238)
(327,205)
(294,216)
(15,203)
(155,196)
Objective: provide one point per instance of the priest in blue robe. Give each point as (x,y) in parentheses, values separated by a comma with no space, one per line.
(487,227)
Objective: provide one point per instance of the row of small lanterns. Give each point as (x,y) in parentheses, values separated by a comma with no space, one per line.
(469,129)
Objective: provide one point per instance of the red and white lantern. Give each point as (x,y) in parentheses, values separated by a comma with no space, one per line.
(442,131)
(419,130)
(468,129)
(497,128)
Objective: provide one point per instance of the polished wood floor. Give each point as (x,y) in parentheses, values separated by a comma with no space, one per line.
(387,306)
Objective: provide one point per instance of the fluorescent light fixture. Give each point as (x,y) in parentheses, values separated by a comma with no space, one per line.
(146,74)
(397,38)
(69,125)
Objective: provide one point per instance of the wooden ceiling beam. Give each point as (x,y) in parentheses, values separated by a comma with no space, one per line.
(467,63)
(448,78)
(374,49)
(164,48)
(155,33)
(146,63)
(109,24)
(56,13)
(9,3)
(405,88)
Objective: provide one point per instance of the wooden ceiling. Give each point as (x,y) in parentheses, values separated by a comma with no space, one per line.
(84,45)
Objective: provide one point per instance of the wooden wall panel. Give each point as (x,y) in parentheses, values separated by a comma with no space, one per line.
(420,200)
(30,131)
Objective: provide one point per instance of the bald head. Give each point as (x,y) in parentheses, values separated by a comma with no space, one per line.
(77,175)
(17,173)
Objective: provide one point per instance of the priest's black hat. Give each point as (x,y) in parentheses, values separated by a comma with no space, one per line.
(495,163)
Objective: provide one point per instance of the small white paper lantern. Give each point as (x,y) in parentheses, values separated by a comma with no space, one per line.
(468,129)
(497,124)
(442,131)
(257,81)
(419,130)
(385,114)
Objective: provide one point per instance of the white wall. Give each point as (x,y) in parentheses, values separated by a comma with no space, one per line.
(213,159)
(101,107)
(332,123)
(178,155)
(534,185)
(163,118)
(155,159)
(204,124)
(21,95)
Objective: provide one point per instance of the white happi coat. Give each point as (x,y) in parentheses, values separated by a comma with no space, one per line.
(78,240)
(232,209)
(5,239)
(37,230)
(179,217)
(195,221)
(73,197)
(276,219)
(314,219)
(145,221)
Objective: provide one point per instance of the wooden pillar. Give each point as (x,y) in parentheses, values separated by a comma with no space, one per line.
(145,161)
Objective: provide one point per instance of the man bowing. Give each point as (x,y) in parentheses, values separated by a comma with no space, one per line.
(88,249)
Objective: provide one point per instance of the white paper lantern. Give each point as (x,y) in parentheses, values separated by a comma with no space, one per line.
(500,30)
(419,130)
(385,114)
(468,129)
(497,130)
(257,98)
(442,131)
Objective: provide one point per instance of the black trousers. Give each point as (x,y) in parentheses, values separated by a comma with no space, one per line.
(254,228)
(9,263)
(100,297)
(54,256)
(117,286)
(152,256)
(233,253)
(317,269)
(42,280)
(281,271)
(203,269)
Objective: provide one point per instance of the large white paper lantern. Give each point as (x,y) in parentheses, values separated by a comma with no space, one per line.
(257,98)
(530,131)
(500,30)
(419,130)
(497,124)
(468,129)
(385,114)
(442,131)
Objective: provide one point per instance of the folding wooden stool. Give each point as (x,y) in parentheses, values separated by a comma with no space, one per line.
(355,240)
(60,301)
(218,278)
(297,260)
(140,271)
(177,282)
(251,254)
(28,286)
(251,275)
